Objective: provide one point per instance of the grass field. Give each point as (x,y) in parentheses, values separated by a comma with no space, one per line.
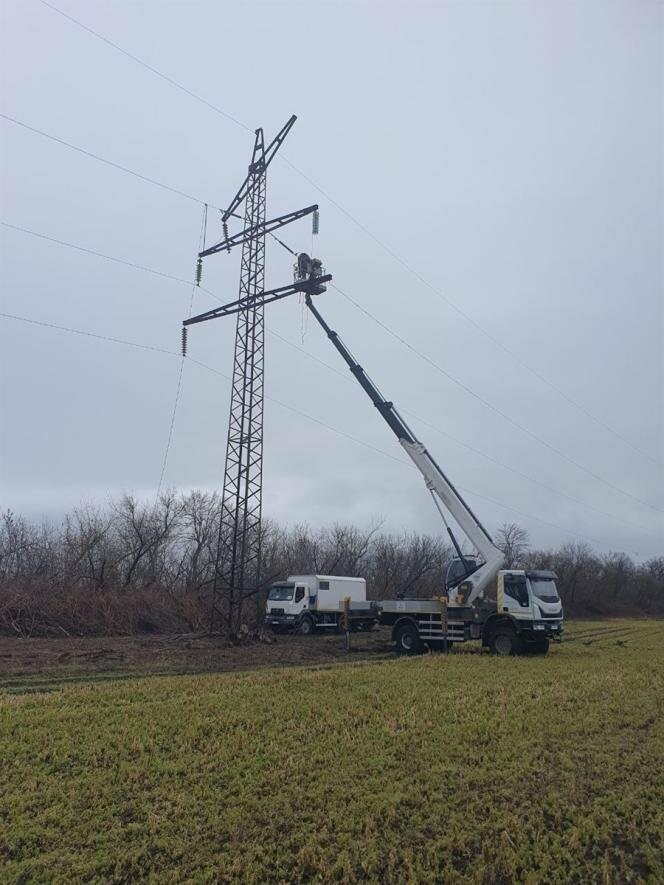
(441,768)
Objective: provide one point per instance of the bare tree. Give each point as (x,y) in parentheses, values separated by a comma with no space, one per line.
(617,570)
(409,564)
(87,535)
(343,549)
(142,530)
(196,543)
(514,542)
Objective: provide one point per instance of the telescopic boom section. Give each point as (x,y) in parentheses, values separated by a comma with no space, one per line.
(437,483)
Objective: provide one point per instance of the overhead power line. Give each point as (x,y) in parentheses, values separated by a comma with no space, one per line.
(478,326)
(34,233)
(352,301)
(465,445)
(489,405)
(376,320)
(294,410)
(128,171)
(196,199)
(178,389)
(148,67)
(100,159)
(111,338)
(496,341)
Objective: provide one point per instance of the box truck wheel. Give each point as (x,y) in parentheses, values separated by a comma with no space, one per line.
(408,640)
(307,625)
(540,647)
(504,642)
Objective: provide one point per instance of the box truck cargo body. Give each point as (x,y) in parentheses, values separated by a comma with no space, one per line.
(308,602)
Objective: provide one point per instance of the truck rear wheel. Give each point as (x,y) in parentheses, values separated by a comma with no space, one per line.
(504,642)
(307,626)
(408,640)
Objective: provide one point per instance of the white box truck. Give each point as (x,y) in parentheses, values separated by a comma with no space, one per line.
(305,603)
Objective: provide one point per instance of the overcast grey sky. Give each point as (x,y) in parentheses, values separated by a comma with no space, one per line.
(508,152)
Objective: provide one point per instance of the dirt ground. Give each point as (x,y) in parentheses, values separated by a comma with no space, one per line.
(37,664)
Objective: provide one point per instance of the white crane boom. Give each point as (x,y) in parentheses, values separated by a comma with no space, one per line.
(464,517)
(438,484)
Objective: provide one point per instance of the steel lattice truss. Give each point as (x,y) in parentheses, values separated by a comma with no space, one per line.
(238,560)
(239,548)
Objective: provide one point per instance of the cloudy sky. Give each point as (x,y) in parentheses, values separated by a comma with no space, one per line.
(490,182)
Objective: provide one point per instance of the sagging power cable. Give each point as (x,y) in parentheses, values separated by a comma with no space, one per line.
(344,294)
(178,389)
(128,171)
(293,409)
(478,326)
(431,362)
(465,445)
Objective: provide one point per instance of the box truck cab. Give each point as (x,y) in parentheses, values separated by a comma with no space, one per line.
(306,603)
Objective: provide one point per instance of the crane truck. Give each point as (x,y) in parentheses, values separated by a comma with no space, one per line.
(511,611)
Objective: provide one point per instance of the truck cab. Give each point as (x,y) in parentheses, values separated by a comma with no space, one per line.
(286,602)
(529,599)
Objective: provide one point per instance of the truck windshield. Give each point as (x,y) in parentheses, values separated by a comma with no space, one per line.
(281,592)
(544,589)
(459,569)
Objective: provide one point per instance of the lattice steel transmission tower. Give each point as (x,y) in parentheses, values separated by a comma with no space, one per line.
(238,557)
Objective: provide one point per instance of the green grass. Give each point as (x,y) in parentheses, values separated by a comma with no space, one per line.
(458,768)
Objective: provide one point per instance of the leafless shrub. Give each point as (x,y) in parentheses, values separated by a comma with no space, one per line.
(148,567)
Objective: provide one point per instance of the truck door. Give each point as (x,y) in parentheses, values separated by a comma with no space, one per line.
(515,597)
(300,599)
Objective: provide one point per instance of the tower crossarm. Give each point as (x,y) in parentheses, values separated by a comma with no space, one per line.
(278,140)
(259,163)
(258,300)
(265,227)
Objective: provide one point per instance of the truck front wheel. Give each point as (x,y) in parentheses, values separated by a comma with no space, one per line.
(540,647)
(408,640)
(504,642)
(306,626)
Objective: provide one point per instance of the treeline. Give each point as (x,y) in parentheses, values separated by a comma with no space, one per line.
(137,567)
